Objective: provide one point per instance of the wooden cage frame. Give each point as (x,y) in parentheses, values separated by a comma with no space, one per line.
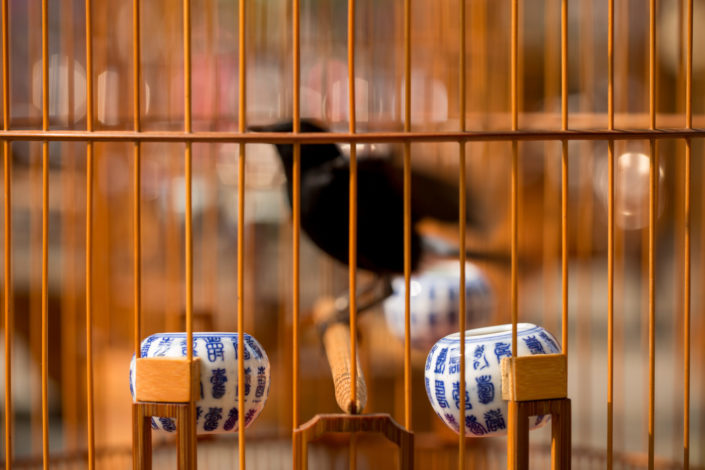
(461,137)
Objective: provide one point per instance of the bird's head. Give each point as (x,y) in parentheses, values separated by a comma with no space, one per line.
(312,155)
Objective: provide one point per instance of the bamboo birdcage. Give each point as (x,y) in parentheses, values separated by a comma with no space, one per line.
(130,208)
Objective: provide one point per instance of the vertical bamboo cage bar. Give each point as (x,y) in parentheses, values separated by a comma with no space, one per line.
(352,234)
(137,150)
(174,307)
(462,221)
(686,309)
(7,189)
(69,301)
(242,117)
(35,237)
(653,214)
(610,238)
(687,232)
(699,349)
(210,223)
(407,216)
(188,176)
(90,425)
(551,89)
(653,192)
(585,209)
(564,177)
(188,214)
(514,172)
(45,236)
(296,224)
(514,225)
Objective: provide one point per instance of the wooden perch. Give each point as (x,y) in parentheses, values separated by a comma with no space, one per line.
(336,342)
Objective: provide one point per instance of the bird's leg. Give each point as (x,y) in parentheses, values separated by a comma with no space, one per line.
(336,311)
(371,295)
(386,290)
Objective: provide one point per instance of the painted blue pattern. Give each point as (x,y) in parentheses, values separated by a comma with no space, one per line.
(261,382)
(441,361)
(184,352)
(249,416)
(454,361)
(215,348)
(218,380)
(450,419)
(487,338)
(441,394)
(534,345)
(479,359)
(430,355)
(232,419)
(456,397)
(162,347)
(494,421)
(212,417)
(474,427)
(501,350)
(144,350)
(255,349)
(248,379)
(246,352)
(168,424)
(552,344)
(485,389)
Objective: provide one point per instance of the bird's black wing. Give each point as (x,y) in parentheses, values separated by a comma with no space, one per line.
(380,216)
(431,195)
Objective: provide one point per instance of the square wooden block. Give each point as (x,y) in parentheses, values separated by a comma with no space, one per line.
(539,377)
(167,379)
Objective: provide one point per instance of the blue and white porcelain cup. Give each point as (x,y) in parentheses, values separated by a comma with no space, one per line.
(435,302)
(217,409)
(485,411)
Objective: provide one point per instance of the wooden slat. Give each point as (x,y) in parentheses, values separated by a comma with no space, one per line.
(537,377)
(518,432)
(382,423)
(185,433)
(167,379)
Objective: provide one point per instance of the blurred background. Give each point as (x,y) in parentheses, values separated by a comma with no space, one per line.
(380,106)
